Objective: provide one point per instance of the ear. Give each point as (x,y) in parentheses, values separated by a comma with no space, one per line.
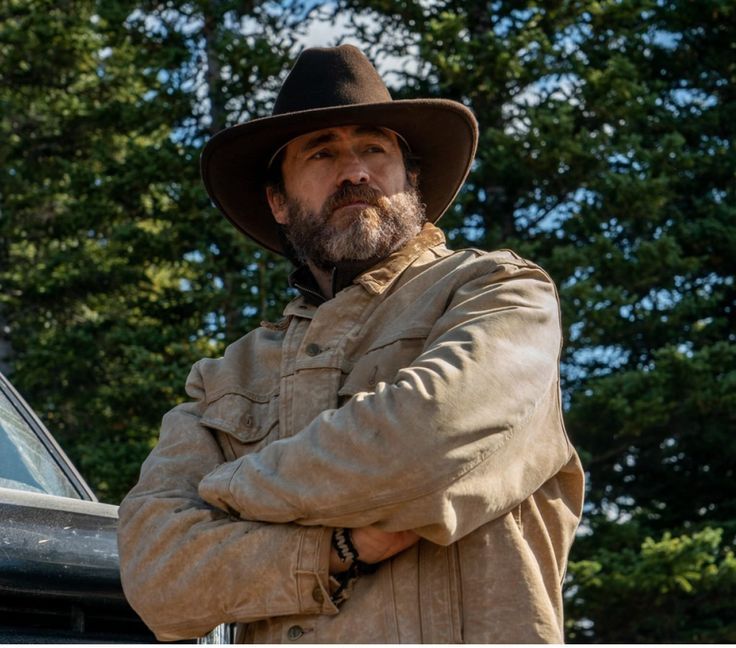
(412,177)
(277,203)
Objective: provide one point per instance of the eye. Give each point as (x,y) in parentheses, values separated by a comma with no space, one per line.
(320,155)
(375,148)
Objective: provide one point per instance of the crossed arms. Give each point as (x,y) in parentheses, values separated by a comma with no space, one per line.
(464,434)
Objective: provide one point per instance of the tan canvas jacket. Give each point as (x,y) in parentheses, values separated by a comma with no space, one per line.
(424,396)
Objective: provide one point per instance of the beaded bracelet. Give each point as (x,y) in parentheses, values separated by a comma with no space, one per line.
(343,545)
(342,541)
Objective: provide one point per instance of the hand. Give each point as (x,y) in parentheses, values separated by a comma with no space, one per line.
(374,545)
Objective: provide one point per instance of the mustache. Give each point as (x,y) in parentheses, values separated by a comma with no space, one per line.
(349,194)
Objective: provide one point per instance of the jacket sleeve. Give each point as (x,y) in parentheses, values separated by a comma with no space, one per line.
(186,566)
(461,436)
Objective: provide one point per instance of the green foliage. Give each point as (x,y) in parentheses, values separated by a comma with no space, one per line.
(116,273)
(606,155)
(682,587)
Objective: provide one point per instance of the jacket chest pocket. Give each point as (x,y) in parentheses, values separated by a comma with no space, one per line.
(242,423)
(382,362)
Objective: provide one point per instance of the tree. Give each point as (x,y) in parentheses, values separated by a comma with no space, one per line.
(116,272)
(606,155)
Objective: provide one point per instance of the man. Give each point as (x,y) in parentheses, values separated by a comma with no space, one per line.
(388,462)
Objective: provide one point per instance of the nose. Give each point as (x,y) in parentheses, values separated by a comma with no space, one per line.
(353,171)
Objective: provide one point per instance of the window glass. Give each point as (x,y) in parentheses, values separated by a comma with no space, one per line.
(25,462)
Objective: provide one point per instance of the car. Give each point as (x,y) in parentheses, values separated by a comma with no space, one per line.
(59,569)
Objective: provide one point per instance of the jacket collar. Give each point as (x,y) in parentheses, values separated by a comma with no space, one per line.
(375,276)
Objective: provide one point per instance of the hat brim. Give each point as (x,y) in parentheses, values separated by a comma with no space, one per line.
(442,133)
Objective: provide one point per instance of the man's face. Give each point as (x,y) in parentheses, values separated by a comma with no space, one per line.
(347,195)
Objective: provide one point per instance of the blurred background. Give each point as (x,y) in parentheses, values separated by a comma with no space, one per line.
(606,155)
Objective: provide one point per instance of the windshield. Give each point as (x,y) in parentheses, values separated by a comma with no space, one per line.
(25,462)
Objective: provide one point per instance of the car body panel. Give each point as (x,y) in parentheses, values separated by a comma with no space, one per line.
(59,565)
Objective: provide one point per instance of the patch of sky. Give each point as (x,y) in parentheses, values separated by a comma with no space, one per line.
(692,98)
(715,145)
(581,273)
(551,87)
(503,26)
(473,228)
(705,286)
(392,62)
(539,217)
(574,331)
(617,511)
(599,360)
(151,22)
(298,8)
(523,15)
(571,38)
(673,460)
(325,33)
(627,312)
(584,529)
(657,301)
(102,55)
(214,323)
(195,256)
(662,38)
(530,52)
(686,100)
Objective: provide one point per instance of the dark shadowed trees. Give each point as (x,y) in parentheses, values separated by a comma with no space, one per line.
(606,155)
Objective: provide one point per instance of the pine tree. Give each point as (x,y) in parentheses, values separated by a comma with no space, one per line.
(606,156)
(117,274)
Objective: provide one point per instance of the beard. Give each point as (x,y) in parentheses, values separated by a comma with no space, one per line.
(374,231)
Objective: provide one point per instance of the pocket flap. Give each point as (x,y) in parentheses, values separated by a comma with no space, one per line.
(242,417)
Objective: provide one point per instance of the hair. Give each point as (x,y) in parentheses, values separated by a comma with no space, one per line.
(275,175)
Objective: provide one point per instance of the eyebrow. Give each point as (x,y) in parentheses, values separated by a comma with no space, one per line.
(330,136)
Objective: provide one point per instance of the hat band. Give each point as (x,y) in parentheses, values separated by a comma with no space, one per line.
(283,146)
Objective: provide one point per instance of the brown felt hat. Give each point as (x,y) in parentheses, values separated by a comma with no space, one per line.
(328,87)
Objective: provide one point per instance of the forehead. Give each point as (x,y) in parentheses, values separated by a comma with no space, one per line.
(323,136)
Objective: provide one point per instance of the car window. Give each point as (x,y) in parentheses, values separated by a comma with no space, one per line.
(25,462)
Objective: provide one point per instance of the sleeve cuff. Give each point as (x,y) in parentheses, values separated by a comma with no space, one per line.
(312,571)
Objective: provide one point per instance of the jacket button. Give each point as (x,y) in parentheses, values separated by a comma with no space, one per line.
(295,632)
(313,349)
(317,594)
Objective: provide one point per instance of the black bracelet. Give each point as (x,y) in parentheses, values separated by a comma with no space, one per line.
(342,541)
(343,545)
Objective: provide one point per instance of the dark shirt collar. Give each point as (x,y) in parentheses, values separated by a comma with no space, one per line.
(342,274)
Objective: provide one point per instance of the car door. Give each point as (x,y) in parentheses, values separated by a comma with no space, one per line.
(59,571)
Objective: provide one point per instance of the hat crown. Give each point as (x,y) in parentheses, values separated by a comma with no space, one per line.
(325,77)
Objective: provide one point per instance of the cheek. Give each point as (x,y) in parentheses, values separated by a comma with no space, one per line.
(311,190)
(393,177)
